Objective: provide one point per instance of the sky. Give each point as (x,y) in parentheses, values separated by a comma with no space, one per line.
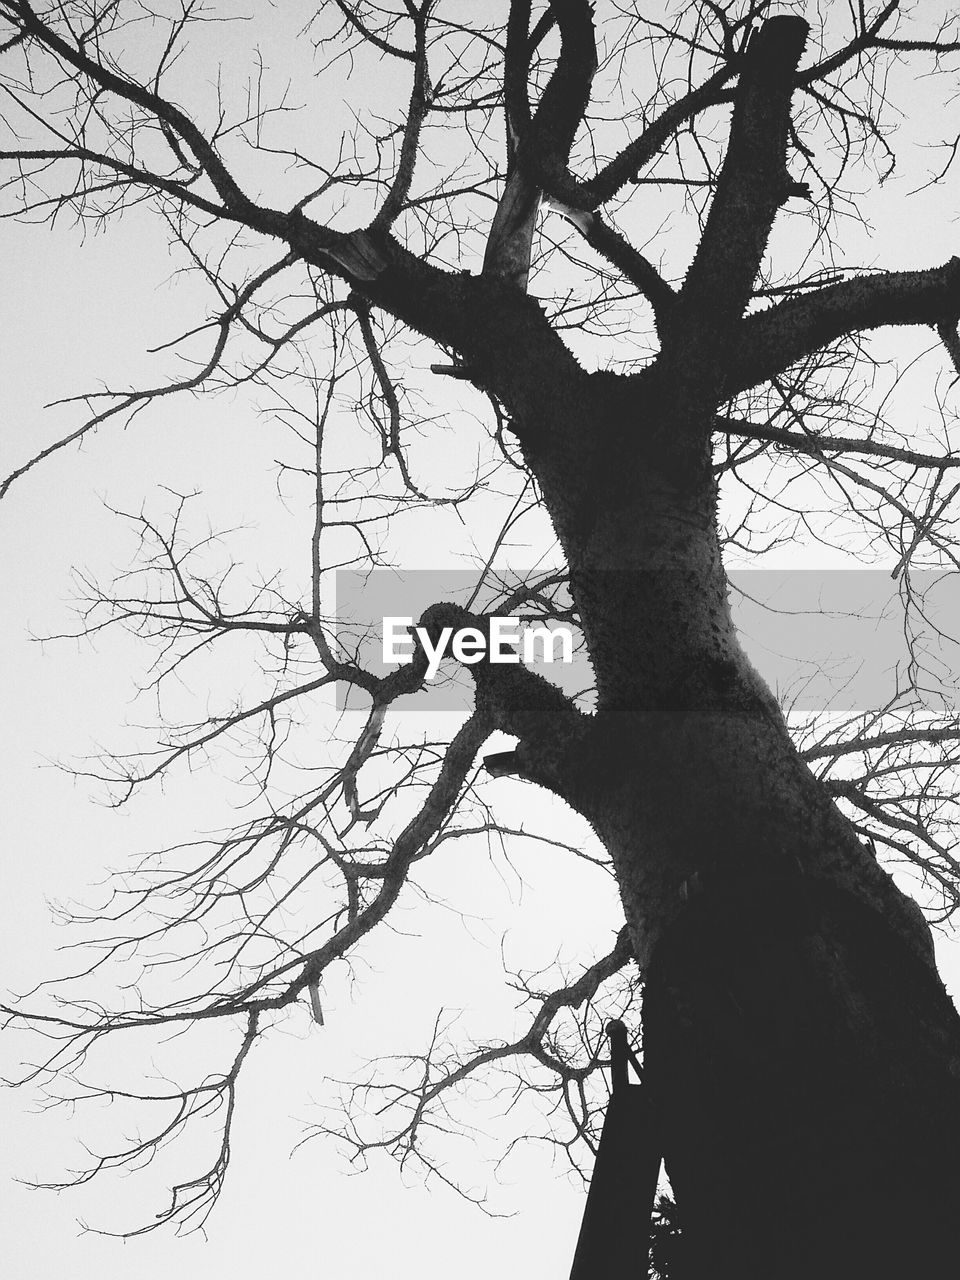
(60,698)
(77,312)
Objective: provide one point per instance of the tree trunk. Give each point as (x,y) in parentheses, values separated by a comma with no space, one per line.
(802,1055)
(801,1052)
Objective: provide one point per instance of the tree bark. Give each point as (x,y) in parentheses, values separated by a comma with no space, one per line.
(801,1052)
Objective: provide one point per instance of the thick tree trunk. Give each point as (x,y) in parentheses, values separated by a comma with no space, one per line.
(801,1052)
(803,1057)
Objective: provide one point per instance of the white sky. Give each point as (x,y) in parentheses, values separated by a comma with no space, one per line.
(60,699)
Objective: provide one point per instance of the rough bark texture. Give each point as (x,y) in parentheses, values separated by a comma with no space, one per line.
(802,1054)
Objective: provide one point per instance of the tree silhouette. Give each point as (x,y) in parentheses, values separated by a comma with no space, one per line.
(717,392)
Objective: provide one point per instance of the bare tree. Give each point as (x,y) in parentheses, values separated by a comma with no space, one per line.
(401,273)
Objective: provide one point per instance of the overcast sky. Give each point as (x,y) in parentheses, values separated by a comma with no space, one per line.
(59,701)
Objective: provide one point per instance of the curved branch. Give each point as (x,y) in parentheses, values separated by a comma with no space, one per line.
(371,37)
(773,340)
(540,147)
(625,167)
(516,68)
(617,250)
(521,703)
(567,95)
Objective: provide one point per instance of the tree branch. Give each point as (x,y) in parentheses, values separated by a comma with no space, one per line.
(136,176)
(416,113)
(753,182)
(517,701)
(773,340)
(539,148)
(867,39)
(892,738)
(817,445)
(371,36)
(229,191)
(567,95)
(625,167)
(630,262)
(516,68)
(501,336)
(510,242)
(508,342)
